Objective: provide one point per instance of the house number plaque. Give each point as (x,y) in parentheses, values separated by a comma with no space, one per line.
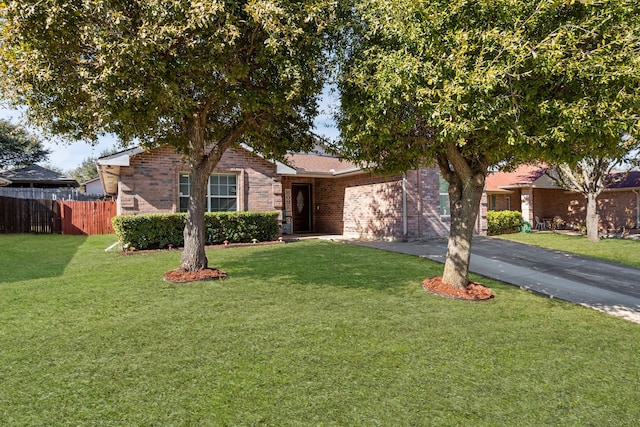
(288,205)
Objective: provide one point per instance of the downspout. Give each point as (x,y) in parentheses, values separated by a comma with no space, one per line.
(637,208)
(404,205)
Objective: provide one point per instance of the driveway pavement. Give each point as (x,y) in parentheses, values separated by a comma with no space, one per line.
(604,286)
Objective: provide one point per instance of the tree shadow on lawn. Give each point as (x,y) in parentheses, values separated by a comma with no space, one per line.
(36,256)
(326,263)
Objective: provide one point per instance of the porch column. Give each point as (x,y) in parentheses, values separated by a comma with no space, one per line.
(526,200)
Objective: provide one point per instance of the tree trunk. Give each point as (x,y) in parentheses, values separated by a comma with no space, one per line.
(593,220)
(466,176)
(465,200)
(193,256)
(202,161)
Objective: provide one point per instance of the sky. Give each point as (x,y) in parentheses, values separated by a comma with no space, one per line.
(68,156)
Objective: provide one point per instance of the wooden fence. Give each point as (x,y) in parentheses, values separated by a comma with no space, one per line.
(86,217)
(51,216)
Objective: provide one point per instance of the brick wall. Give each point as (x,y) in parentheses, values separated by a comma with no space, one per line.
(371,206)
(505,201)
(617,209)
(150,183)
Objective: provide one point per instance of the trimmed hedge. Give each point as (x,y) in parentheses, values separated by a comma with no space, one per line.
(157,231)
(502,222)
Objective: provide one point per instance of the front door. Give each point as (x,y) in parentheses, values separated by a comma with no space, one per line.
(301,194)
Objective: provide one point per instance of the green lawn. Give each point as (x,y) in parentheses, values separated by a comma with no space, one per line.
(623,251)
(303,334)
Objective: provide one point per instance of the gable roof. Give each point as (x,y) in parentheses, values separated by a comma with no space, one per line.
(109,167)
(522,176)
(35,175)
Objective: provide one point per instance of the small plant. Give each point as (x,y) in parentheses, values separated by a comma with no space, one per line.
(126,248)
(500,222)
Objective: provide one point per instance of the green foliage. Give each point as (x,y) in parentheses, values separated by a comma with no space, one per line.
(241,226)
(160,230)
(140,69)
(18,148)
(507,81)
(500,222)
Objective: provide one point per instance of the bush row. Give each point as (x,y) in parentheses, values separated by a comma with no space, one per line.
(157,231)
(501,222)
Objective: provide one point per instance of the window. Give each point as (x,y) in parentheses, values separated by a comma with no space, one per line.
(221,193)
(445,209)
(508,203)
(493,199)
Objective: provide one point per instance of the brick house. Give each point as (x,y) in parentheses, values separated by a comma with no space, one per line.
(529,190)
(316,193)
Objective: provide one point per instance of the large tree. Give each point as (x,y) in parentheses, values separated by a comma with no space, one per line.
(18,147)
(201,76)
(471,85)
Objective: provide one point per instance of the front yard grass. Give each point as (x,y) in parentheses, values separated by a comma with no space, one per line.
(622,251)
(308,333)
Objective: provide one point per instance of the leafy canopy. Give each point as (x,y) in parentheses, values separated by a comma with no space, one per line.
(141,68)
(510,80)
(19,148)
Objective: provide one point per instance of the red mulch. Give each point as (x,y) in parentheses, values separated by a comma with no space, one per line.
(473,291)
(180,276)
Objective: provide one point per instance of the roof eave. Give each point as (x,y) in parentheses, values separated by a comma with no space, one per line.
(324,174)
(119,159)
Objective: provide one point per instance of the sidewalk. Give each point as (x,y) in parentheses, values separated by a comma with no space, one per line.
(604,286)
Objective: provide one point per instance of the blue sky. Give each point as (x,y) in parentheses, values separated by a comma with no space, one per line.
(69,156)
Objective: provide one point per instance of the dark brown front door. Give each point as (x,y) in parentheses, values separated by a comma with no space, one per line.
(301,208)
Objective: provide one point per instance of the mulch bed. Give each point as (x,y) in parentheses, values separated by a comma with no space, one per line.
(473,291)
(180,276)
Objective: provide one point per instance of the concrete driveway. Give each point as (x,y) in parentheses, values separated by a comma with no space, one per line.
(601,285)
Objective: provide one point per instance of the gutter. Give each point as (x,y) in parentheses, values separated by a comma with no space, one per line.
(637,207)
(404,205)
(322,174)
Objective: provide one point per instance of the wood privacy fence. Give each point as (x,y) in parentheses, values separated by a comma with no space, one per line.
(55,216)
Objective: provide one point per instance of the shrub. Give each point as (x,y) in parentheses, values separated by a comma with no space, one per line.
(156,231)
(501,222)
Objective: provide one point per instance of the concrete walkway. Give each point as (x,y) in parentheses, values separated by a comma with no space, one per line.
(604,286)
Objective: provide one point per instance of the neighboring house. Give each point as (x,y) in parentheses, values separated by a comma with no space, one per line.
(36,182)
(315,193)
(94,186)
(36,176)
(529,190)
